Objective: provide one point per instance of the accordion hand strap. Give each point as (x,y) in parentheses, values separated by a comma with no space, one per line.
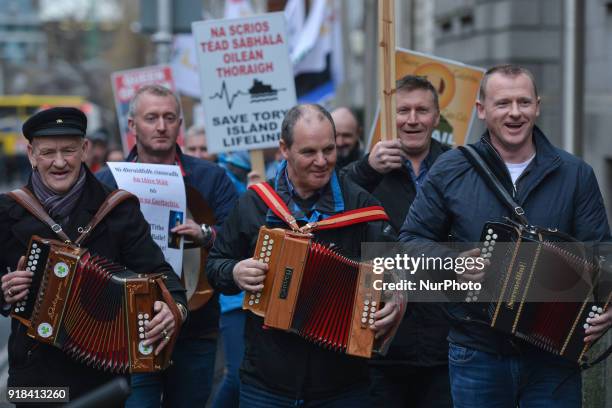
(493,182)
(178,321)
(26,199)
(278,207)
(112,200)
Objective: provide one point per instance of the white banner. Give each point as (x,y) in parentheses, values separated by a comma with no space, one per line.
(185,66)
(161,191)
(246,80)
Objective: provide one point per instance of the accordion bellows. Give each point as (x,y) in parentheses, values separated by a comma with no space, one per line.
(315,292)
(93,309)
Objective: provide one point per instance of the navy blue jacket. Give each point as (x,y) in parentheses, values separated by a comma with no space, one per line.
(220,194)
(556,190)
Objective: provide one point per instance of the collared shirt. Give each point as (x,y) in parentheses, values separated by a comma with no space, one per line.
(423,169)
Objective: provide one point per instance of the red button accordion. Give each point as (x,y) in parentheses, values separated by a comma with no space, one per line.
(315,292)
(91,308)
(542,289)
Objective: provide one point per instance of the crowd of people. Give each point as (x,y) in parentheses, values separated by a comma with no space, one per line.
(440,354)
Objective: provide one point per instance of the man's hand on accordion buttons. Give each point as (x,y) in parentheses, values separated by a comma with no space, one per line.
(599,325)
(249,274)
(16,284)
(472,274)
(161,327)
(385,318)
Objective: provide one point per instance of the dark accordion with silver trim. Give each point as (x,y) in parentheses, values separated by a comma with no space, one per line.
(541,286)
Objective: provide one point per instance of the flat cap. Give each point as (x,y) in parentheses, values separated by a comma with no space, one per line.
(58,121)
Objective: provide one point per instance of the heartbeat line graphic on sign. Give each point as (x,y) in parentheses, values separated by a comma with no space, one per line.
(229,100)
(259,92)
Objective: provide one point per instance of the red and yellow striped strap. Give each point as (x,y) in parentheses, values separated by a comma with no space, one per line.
(351,217)
(275,203)
(366,214)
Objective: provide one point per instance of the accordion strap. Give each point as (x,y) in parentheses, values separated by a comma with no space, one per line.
(275,203)
(278,207)
(176,314)
(112,200)
(493,182)
(26,199)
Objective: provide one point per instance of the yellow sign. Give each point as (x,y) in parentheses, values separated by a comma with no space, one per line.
(457,85)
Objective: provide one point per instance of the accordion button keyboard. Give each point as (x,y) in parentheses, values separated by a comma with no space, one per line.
(374,303)
(371,321)
(586,326)
(364,320)
(599,310)
(364,314)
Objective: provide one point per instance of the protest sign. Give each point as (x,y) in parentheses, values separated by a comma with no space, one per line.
(246,80)
(161,191)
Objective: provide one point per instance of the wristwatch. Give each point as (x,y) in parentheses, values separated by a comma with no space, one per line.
(206,233)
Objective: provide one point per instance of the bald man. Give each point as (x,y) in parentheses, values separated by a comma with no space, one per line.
(348,132)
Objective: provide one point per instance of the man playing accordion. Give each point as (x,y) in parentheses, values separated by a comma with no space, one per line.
(71,195)
(280,369)
(557,191)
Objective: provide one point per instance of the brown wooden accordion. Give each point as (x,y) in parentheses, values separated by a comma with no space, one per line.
(542,289)
(93,309)
(315,292)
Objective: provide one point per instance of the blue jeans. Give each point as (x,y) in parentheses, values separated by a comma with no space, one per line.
(255,397)
(232,335)
(186,383)
(534,379)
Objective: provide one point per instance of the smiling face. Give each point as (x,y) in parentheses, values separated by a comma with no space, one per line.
(347,131)
(509,109)
(58,160)
(417,117)
(312,155)
(156,124)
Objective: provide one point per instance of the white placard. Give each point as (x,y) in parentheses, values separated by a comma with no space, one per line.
(246,80)
(161,191)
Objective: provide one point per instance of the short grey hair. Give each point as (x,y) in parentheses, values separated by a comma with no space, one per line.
(152,89)
(195,130)
(298,112)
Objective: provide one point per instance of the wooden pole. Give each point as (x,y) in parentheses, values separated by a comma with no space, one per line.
(257,163)
(386,64)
